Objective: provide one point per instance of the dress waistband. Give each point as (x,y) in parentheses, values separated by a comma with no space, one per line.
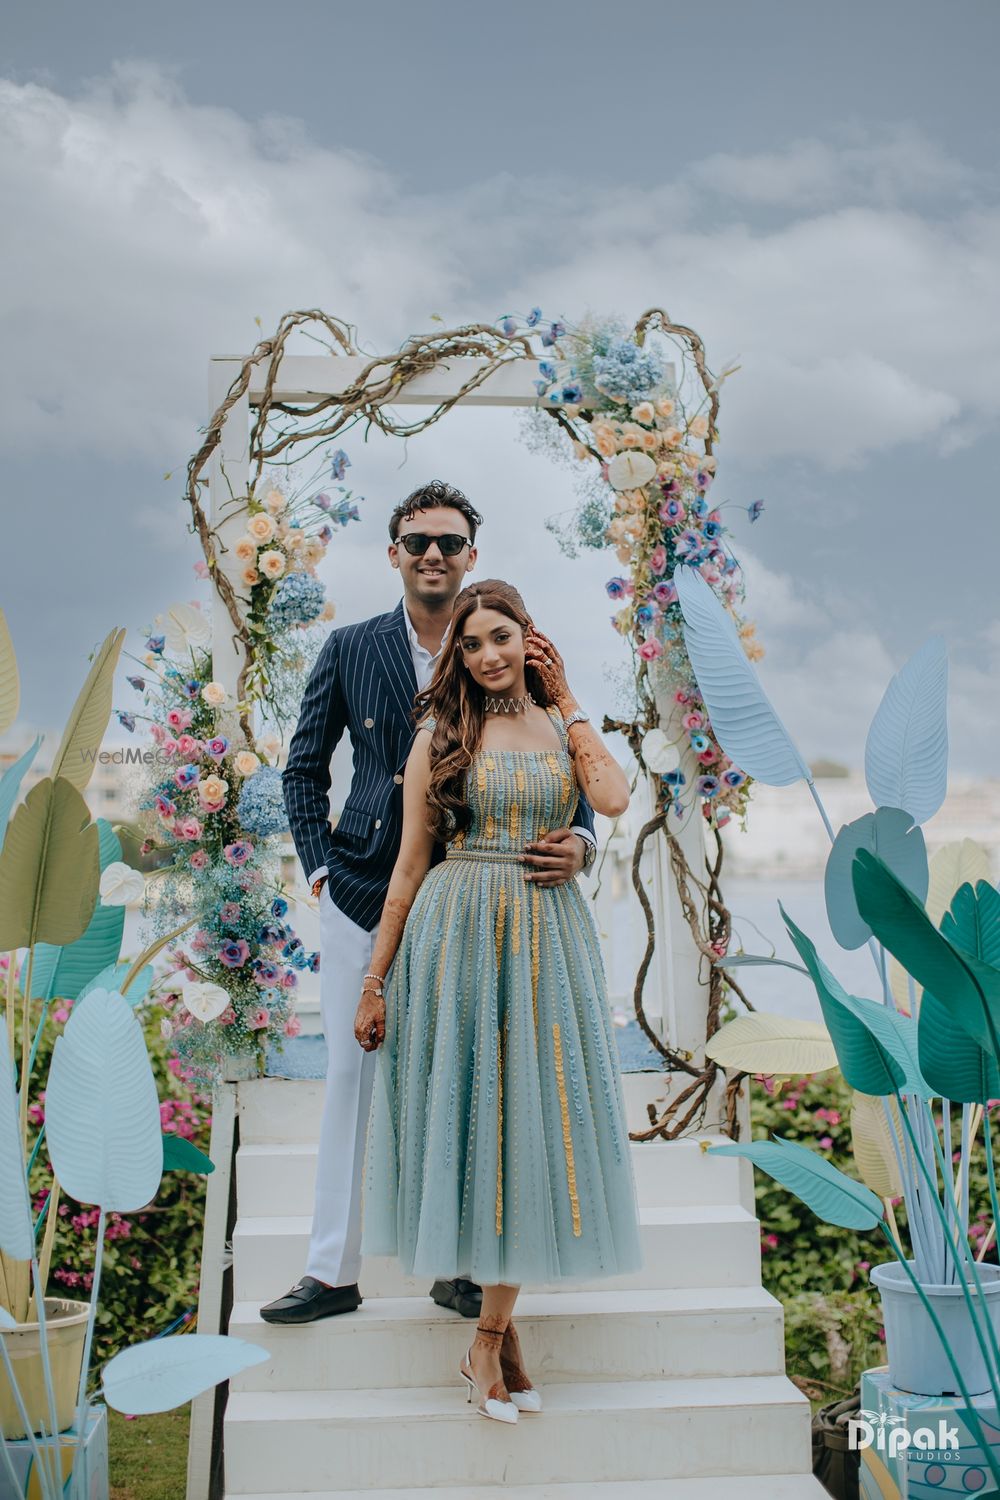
(497,856)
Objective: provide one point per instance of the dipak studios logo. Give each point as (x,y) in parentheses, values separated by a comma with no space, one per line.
(891,1435)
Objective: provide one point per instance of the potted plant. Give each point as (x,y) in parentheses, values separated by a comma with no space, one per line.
(101,1133)
(934,1033)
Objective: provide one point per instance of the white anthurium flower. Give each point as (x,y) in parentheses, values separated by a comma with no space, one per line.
(630,471)
(205,1000)
(185,628)
(120,884)
(659,753)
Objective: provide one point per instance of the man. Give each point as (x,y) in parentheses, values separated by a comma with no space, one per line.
(364,681)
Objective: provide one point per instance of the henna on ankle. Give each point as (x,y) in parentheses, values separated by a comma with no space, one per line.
(512,1362)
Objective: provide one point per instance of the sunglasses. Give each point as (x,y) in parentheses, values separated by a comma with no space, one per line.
(417,542)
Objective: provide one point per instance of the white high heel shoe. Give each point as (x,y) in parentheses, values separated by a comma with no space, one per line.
(489,1406)
(529,1400)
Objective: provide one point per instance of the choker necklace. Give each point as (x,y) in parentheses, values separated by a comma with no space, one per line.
(509,705)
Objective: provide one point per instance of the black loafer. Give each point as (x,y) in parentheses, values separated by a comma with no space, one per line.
(309,1299)
(464,1296)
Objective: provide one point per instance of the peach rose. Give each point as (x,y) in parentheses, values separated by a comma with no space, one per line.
(249,576)
(624,554)
(214,694)
(274,500)
(246,550)
(671,436)
(212,792)
(294,539)
(665,407)
(605,443)
(246,762)
(650,441)
(698,427)
(644,413)
(691,460)
(631,436)
(272,564)
(260,528)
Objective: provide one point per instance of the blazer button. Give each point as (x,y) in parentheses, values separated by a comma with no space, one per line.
(398,779)
(369,723)
(378,822)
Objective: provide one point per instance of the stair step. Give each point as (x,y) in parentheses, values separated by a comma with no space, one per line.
(279,1177)
(714,1245)
(754,1487)
(565,1336)
(646,1429)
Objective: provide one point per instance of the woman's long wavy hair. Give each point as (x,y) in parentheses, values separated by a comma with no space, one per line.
(457,702)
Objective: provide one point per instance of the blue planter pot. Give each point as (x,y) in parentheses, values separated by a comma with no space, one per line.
(917,1361)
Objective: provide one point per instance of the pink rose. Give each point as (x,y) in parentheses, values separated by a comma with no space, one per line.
(681,696)
(180,718)
(187,744)
(658,559)
(259,1019)
(158,733)
(188,828)
(228,1017)
(650,650)
(199,859)
(168,745)
(289,979)
(239,852)
(293,1026)
(692,721)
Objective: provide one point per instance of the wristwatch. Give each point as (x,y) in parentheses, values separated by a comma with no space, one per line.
(589,855)
(576,717)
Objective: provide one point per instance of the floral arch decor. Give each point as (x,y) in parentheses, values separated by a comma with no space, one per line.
(610,401)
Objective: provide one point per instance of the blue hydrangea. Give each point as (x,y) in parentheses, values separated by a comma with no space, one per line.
(626,372)
(297,600)
(261,808)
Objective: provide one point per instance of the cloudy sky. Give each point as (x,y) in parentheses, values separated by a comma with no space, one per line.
(813,188)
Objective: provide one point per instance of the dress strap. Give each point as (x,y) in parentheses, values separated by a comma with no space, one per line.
(557,719)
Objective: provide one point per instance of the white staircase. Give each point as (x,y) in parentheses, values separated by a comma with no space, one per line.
(667,1383)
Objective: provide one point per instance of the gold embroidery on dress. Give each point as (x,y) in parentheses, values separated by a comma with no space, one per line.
(458,842)
(500,1050)
(552,764)
(491,827)
(574,1201)
(515,936)
(490,764)
(535,940)
(501,920)
(519,778)
(514,819)
(481,775)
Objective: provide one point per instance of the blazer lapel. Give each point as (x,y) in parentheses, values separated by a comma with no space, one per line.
(395,664)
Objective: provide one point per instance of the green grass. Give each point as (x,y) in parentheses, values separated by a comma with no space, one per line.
(148,1455)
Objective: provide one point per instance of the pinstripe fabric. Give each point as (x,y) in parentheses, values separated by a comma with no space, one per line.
(363,673)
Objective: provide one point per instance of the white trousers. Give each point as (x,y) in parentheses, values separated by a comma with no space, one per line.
(345,958)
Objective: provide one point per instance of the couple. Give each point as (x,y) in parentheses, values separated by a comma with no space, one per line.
(498,1151)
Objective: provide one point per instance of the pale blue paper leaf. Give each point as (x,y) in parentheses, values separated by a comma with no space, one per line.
(893,835)
(755,960)
(66,970)
(102,1115)
(6,1321)
(17,1235)
(906,754)
(743,719)
(113,976)
(166,1372)
(10,785)
(831,1194)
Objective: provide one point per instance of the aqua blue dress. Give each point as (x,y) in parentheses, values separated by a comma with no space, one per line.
(497,1145)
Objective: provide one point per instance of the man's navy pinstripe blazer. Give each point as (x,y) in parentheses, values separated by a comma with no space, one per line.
(363,681)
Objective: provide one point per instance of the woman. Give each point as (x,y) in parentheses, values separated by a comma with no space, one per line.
(497,1148)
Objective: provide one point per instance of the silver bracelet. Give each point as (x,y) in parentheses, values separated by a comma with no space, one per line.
(578,717)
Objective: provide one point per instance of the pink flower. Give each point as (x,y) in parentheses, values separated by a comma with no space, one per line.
(199,859)
(158,733)
(59,1016)
(168,745)
(289,979)
(769,1242)
(238,853)
(650,650)
(259,1019)
(707,757)
(825,1141)
(228,1017)
(681,696)
(692,720)
(234,954)
(201,940)
(217,747)
(658,559)
(180,718)
(201,568)
(187,744)
(188,828)
(293,1026)
(230,912)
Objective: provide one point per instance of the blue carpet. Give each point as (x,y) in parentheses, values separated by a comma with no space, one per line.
(305,1056)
